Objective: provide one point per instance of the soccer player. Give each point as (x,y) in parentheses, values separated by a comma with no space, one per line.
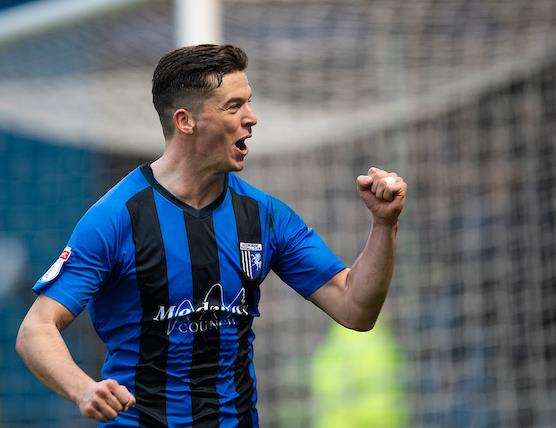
(171,259)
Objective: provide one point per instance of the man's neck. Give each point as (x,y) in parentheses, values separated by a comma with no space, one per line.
(189,183)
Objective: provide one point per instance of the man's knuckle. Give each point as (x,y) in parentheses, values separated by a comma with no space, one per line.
(108,386)
(97,402)
(101,392)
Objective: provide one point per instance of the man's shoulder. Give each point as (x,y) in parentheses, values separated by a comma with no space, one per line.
(274,205)
(243,188)
(114,201)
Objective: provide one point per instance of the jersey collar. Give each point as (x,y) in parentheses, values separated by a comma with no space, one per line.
(147,172)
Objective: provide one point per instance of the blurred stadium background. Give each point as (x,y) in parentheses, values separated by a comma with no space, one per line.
(457,96)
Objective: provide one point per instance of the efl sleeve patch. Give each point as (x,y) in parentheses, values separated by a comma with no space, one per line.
(55,269)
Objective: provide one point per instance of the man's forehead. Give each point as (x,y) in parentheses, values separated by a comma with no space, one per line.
(233,84)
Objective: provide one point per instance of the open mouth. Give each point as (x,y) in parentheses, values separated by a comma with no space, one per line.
(240,144)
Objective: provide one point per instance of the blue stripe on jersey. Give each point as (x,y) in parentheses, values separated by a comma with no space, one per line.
(121,335)
(181,340)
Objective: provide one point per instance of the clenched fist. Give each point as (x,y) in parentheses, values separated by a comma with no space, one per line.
(104,400)
(383,193)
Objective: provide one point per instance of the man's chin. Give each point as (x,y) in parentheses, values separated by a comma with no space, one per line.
(236,166)
(239,167)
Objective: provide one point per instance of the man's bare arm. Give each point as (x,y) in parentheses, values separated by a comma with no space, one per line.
(354,297)
(43,349)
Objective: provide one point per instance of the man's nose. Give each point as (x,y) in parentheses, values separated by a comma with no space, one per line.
(250,118)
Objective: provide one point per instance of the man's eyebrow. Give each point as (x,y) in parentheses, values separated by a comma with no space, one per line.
(237,100)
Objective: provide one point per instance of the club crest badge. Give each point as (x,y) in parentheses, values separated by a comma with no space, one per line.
(251,259)
(55,269)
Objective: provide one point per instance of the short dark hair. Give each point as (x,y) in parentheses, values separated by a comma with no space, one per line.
(185,77)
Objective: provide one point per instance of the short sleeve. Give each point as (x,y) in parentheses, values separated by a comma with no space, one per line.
(302,259)
(84,264)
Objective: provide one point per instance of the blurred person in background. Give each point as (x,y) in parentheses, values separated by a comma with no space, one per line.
(170,262)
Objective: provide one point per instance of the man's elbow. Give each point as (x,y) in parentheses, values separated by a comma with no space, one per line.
(359,318)
(21,340)
(24,336)
(362,327)
(359,325)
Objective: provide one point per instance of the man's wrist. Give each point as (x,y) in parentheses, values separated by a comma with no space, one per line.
(385,224)
(78,391)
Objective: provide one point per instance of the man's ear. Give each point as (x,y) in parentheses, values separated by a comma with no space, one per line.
(184,121)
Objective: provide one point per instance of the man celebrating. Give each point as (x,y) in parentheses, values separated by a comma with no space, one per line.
(171,259)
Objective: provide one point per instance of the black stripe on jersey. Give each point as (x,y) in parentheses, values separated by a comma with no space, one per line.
(152,280)
(248,223)
(205,270)
(242,378)
(246,211)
